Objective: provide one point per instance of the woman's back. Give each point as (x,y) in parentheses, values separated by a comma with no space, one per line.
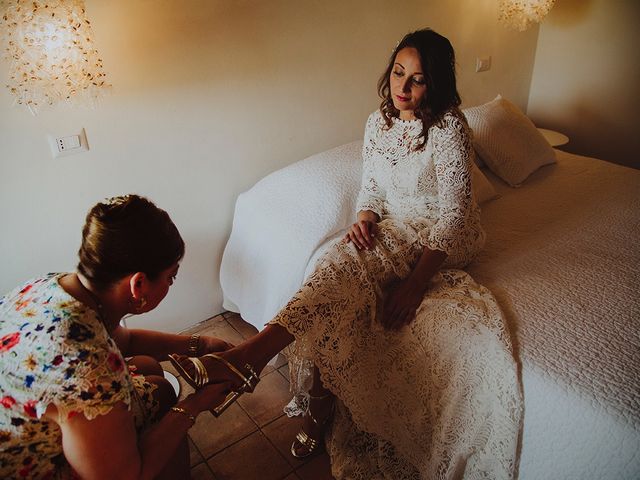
(54,350)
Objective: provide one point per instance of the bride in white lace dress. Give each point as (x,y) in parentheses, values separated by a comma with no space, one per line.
(417,357)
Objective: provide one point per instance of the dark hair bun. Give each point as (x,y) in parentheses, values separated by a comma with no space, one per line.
(124,235)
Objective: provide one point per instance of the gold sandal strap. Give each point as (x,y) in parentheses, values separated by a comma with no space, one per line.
(229,365)
(251,381)
(320,397)
(200,376)
(306,440)
(253,375)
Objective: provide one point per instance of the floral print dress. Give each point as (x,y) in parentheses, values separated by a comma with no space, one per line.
(55,351)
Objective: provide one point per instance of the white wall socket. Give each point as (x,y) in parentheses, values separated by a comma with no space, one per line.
(64,145)
(483,64)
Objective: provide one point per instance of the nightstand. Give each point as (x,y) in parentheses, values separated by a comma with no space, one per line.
(555,139)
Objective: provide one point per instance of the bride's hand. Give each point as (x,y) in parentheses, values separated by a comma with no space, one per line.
(400,305)
(362,234)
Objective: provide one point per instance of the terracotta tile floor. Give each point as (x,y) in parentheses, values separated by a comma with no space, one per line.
(250,440)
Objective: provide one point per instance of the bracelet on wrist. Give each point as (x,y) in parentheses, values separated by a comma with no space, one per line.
(182,411)
(194,343)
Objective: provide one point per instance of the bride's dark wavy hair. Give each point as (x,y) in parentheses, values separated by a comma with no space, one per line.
(439,68)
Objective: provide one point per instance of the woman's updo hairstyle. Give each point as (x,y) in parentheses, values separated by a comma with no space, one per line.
(124,235)
(439,69)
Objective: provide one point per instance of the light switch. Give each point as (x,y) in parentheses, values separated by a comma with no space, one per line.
(69,143)
(62,146)
(483,64)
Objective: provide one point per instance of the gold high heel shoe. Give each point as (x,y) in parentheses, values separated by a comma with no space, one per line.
(303,439)
(200,378)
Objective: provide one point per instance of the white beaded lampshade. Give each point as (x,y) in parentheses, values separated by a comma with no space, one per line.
(52,58)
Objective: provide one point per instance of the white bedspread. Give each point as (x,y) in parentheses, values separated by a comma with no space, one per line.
(562,259)
(295,210)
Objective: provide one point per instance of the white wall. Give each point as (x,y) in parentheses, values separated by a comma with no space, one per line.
(587,75)
(208,97)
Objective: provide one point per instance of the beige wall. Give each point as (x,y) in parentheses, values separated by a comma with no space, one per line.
(208,97)
(586,80)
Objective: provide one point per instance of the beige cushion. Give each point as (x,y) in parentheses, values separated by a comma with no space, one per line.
(483,191)
(507,141)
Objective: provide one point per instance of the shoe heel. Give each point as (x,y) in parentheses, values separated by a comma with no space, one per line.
(232,397)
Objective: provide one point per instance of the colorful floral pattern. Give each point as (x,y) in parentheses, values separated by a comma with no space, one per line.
(54,350)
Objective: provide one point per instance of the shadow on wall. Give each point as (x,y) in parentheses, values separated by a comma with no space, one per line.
(593,142)
(202,42)
(226,44)
(567,13)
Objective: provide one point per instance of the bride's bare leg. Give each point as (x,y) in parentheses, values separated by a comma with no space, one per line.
(316,418)
(256,351)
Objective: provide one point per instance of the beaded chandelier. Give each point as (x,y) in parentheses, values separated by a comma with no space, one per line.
(52,59)
(521,14)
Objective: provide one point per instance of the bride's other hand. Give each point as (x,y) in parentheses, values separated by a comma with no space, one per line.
(401,304)
(362,232)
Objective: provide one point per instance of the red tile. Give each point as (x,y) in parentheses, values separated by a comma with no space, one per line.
(194,454)
(317,469)
(201,472)
(268,400)
(211,434)
(251,458)
(222,329)
(202,325)
(281,433)
(244,328)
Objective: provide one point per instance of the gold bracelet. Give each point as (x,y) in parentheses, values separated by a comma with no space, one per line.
(194,341)
(184,412)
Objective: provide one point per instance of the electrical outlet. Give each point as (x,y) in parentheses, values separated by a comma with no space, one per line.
(62,146)
(483,64)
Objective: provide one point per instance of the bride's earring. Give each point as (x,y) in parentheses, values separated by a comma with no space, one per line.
(143,302)
(139,305)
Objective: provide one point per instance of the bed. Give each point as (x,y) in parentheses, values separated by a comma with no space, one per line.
(562,259)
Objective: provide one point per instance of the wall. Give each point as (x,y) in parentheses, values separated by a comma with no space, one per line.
(586,77)
(208,97)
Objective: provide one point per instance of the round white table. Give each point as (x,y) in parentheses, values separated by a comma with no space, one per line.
(554,138)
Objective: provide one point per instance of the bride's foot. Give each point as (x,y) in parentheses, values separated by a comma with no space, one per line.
(315,422)
(214,368)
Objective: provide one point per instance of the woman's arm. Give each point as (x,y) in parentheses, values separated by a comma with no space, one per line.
(452,157)
(159,344)
(371,197)
(372,194)
(404,298)
(108,447)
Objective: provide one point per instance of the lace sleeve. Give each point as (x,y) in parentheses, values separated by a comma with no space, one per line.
(452,157)
(372,194)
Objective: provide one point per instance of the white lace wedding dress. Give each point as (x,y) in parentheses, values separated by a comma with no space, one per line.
(439,399)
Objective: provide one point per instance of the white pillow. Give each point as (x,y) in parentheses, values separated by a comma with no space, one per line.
(508,142)
(483,191)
